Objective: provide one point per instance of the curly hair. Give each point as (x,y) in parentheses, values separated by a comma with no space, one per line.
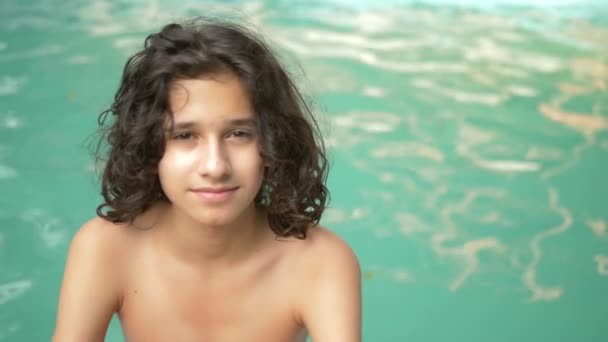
(293,191)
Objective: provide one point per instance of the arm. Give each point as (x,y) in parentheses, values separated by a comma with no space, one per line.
(332,311)
(90,292)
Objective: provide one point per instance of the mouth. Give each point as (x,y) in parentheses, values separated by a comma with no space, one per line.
(214,194)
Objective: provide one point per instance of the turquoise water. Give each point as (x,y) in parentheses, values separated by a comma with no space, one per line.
(469,148)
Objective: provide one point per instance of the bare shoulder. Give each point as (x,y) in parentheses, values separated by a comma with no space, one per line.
(104,246)
(98,245)
(102,242)
(107,240)
(100,235)
(92,281)
(330,275)
(325,249)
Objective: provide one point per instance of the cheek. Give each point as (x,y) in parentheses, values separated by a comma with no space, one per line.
(251,160)
(184,159)
(176,163)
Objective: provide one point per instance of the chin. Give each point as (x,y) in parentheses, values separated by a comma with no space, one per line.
(215,216)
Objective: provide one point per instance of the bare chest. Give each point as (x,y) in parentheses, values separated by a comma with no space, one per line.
(166,305)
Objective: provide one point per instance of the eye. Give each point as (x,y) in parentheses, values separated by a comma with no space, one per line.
(183,136)
(239,134)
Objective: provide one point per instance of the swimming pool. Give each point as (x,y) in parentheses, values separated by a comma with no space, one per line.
(469,150)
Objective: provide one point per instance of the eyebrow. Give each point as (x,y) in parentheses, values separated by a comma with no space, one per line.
(247,122)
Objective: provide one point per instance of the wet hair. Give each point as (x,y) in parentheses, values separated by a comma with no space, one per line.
(293,190)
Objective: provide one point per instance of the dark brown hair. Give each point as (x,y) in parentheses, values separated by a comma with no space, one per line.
(293,191)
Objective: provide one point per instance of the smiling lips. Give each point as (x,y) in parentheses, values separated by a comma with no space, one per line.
(214,194)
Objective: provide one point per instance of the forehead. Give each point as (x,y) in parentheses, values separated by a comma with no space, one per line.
(219,96)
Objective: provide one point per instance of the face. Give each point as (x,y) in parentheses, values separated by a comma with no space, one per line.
(212,168)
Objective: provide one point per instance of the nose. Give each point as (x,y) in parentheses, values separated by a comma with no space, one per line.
(215,162)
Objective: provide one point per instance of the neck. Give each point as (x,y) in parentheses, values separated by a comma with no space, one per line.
(210,247)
